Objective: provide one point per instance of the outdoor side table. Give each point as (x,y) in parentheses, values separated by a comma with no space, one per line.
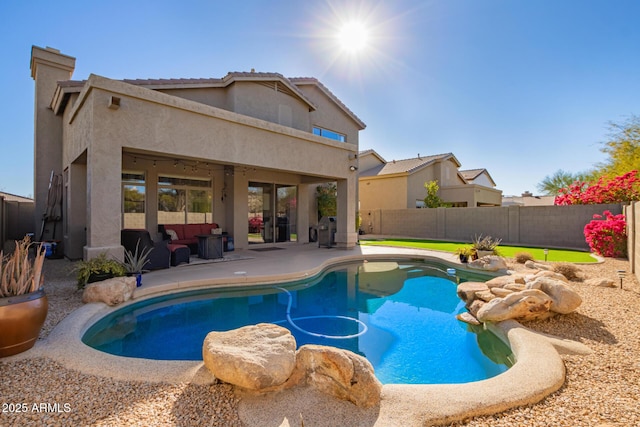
(209,246)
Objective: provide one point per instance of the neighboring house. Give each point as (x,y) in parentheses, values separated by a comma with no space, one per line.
(528,199)
(138,153)
(478,177)
(399,184)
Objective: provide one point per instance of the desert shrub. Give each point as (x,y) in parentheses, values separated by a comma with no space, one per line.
(568,270)
(607,236)
(522,257)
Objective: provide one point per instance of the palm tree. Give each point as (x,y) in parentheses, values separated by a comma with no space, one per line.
(550,185)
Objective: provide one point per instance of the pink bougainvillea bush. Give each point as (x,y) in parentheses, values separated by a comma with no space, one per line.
(620,189)
(607,236)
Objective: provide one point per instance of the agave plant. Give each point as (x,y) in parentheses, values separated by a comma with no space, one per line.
(135,262)
(485,243)
(20,275)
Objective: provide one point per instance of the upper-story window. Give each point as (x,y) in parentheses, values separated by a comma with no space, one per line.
(329,134)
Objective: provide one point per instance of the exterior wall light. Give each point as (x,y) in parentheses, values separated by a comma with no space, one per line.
(353,168)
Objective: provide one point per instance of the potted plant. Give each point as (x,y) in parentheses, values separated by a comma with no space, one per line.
(134,262)
(23,303)
(465,253)
(485,245)
(97,269)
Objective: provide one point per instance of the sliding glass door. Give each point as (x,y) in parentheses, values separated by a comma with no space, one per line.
(272,213)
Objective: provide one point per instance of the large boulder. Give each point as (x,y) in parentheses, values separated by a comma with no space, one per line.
(530,304)
(254,357)
(502,281)
(488,263)
(564,299)
(339,373)
(110,291)
(536,265)
(552,274)
(467,290)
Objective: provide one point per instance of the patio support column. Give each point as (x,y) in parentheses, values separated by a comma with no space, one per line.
(346,236)
(151,201)
(239,215)
(302,210)
(104,200)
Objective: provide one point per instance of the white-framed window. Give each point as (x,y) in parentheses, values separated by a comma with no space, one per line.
(184,200)
(326,133)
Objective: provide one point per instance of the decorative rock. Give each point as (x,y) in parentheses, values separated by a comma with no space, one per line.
(501,292)
(564,299)
(339,373)
(467,317)
(600,282)
(530,304)
(486,295)
(488,263)
(536,265)
(111,291)
(475,306)
(467,290)
(552,274)
(253,357)
(515,287)
(502,281)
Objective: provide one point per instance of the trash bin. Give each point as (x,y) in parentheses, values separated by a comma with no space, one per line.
(327,231)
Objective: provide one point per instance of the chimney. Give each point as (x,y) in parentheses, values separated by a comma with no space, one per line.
(527,194)
(48,66)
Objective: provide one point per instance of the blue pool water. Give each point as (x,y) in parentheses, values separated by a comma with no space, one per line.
(400,315)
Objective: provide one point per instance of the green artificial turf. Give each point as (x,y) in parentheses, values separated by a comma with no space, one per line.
(557,255)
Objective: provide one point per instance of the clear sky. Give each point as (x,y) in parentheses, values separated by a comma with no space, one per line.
(519,87)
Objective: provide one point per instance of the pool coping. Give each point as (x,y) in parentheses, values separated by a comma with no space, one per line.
(538,372)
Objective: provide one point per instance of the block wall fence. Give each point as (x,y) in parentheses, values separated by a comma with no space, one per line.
(541,226)
(632,214)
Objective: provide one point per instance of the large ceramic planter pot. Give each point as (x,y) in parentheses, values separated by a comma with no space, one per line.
(21,319)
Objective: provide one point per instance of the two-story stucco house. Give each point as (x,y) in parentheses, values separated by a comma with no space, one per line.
(399,184)
(139,153)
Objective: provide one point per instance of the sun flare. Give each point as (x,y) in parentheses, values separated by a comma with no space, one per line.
(353,37)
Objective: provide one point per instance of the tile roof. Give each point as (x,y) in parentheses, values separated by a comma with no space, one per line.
(471,174)
(404,166)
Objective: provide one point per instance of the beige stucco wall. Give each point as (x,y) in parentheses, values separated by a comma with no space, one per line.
(215,97)
(47,67)
(263,102)
(368,161)
(484,180)
(388,193)
(328,116)
(415,186)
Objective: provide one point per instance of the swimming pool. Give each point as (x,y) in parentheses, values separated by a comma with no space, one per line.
(400,315)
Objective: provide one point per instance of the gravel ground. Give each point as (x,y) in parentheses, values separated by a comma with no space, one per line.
(601,389)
